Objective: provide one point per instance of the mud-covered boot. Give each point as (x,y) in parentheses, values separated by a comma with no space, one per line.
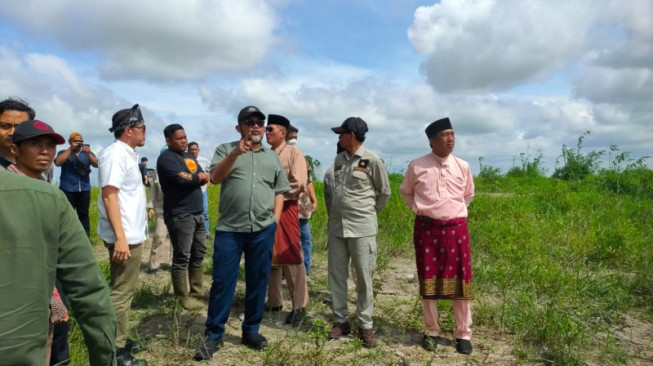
(196,280)
(180,286)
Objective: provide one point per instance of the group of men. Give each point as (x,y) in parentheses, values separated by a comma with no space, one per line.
(261,198)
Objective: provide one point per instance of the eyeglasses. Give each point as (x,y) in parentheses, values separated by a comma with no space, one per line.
(269,129)
(140,127)
(252,123)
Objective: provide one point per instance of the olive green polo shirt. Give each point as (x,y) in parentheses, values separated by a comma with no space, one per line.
(361,188)
(42,239)
(247,193)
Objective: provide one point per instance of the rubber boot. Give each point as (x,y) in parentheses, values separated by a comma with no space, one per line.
(180,286)
(196,279)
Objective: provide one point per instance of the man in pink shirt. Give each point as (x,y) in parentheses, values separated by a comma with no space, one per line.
(438,187)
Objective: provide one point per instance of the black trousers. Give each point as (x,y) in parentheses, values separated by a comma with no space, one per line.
(81,202)
(187,236)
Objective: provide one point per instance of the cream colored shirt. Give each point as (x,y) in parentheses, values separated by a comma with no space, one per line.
(360,190)
(294,164)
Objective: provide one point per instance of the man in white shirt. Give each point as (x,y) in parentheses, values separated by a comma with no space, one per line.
(123,219)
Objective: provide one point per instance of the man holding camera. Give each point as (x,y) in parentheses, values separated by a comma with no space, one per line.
(75,163)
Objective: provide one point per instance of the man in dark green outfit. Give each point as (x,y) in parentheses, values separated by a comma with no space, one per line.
(42,240)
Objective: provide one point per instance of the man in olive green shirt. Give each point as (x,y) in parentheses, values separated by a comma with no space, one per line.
(42,239)
(251,199)
(361,188)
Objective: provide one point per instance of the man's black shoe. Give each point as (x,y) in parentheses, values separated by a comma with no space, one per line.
(255,341)
(207,349)
(430,343)
(296,316)
(132,346)
(463,346)
(274,309)
(124,358)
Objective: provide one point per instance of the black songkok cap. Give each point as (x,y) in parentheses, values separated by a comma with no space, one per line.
(275,119)
(437,126)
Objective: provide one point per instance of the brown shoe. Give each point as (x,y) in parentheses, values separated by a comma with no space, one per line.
(338,330)
(368,337)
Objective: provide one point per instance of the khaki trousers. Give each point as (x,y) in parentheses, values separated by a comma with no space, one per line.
(124,279)
(160,251)
(296,281)
(362,253)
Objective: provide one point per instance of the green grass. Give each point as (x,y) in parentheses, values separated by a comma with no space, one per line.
(558,267)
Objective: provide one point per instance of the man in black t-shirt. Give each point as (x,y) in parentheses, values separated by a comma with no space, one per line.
(181,179)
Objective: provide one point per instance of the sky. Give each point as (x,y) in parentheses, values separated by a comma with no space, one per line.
(514,76)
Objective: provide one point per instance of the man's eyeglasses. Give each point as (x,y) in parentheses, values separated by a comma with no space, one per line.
(252,123)
(141,127)
(269,129)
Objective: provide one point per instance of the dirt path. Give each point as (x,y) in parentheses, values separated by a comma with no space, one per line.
(171,334)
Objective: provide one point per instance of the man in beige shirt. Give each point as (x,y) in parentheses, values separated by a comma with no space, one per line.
(360,190)
(288,256)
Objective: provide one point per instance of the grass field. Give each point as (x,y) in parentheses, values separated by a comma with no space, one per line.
(563,275)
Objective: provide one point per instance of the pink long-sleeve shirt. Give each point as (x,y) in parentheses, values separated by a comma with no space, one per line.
(440,188)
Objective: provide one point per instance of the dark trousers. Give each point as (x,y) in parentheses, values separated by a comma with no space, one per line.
(60,353)
(228,248)
(187,236)
(80,202)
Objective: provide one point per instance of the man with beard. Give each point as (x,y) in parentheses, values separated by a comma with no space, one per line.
(438,187)
(181,180)
(251,200)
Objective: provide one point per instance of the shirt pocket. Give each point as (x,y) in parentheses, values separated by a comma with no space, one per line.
(265,174)
(359,180)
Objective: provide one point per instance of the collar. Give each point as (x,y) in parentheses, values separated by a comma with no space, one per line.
(360,152)
(280,148)
(124,146)
(441,161)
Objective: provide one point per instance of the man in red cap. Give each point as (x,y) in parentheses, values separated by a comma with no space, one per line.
(438,187)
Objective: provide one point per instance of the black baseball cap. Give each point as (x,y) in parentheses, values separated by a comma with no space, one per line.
(248,111)
(34,128)
(352,124)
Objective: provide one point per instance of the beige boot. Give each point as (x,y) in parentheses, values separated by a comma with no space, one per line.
(196,279)
(180,286)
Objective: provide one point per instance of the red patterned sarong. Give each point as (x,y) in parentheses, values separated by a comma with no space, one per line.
(287,245)
(444,261)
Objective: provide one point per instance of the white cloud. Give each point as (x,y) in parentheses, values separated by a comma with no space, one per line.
(155,40)
(475,45)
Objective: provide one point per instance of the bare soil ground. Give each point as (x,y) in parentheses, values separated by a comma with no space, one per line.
(170,335)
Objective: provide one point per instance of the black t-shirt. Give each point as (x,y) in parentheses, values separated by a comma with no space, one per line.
(180,183)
